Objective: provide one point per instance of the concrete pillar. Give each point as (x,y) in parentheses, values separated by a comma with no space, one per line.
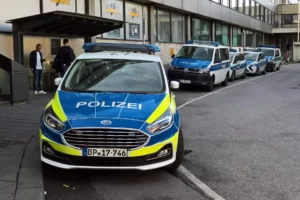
(230,36)
(213,31)
(188,28)
(152,25)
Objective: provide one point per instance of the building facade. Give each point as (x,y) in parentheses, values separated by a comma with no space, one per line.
(168,23)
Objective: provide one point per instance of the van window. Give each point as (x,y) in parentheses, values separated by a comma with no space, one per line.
(237,58)
(224,54)
(276,53)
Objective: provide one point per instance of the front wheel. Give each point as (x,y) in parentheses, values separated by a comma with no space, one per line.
(279,67)
(232,78)
(257,71)
(273,68)
(244,75)
(264,72)
(179,153)
(210,85)
(225,82)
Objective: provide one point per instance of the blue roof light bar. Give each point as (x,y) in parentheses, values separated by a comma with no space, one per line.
(98,47)
(268,46)
(233,50)
(203,42)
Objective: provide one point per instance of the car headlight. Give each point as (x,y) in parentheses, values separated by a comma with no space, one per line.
(162,123)
(52,120)
(204,70)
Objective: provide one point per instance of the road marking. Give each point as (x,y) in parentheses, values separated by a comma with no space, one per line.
(202,186)
(211,93)
(209,192)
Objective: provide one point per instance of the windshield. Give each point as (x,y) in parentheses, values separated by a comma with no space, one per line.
(111,75)
(250,56)
(197,53)
(268,52)
(231,56)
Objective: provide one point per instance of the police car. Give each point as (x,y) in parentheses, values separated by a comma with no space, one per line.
(256,62)
(273,56)
(201,63)
(113,109)
(238,65)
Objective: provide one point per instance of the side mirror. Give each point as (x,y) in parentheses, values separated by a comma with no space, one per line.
(173,56)
(174,85)
(217,60)
(57,81)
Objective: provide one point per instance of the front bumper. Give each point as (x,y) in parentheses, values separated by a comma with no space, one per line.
(144,158)
(251,69)
(194,78)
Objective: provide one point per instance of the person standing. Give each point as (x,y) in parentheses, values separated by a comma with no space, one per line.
(36,64)
(64,58)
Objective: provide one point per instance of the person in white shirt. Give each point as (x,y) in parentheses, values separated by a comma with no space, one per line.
(36,64)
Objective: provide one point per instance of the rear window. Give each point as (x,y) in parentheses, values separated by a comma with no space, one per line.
(194,52)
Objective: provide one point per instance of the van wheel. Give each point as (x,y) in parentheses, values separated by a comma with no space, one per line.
(179,153)
(244,75)
(225,82)
(210,85)
(232,78)
(273,67)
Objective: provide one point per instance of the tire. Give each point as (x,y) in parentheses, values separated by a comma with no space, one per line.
(273,68)
(244,75)
(257,71)
(279,67)
(210,85)
(179,154)
(264,72)
(232,78)
(225,82)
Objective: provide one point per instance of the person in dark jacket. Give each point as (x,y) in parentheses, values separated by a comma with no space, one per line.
(64,58)
(36,65)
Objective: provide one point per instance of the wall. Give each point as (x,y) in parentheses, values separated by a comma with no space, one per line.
(219,12)
(287,9)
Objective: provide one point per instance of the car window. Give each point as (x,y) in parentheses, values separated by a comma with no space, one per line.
(217,54)
(268,52)
(194,52)
(242,57)
(111,75)
(224,54)
(237,58)
(277,53)
(251,56)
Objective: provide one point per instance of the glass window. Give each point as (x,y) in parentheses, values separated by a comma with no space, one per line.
(222,34)
(257,11)
(259,39)
(115,75)
(251,56)
(252,8)
(247,7)
(249,38)
(237,37)
(225,2)
(241,6)
(217,54)
(224,52)
(266,15)
(295,19)
(200,29)
(113,9)
(217,1)
(267,52)
(234,4)
(262,13)
(163,26)
(288,19)
(177,30)
(134,19)
(269,17)
(197,53)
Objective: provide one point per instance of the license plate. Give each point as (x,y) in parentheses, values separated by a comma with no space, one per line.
(184,81)
(99,152)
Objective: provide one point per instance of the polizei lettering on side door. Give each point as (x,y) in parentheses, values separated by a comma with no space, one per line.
(114,104)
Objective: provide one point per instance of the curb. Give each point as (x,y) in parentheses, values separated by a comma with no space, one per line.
(30,184)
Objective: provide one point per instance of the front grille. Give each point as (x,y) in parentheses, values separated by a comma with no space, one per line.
(105,138)
(190,70)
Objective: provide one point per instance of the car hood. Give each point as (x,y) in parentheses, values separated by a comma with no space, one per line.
(269,57)
(109,105)
(190,63)
(249,62)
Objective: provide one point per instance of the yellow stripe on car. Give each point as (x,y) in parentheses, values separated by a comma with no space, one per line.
(161,109)
(57,108)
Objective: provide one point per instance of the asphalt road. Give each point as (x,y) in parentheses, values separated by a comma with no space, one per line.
(245,143)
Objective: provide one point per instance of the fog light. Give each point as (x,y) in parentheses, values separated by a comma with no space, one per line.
(164,152)
(48,150)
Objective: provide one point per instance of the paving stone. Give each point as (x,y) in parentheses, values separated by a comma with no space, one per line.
(9,176)
(30,177)
(6,196)
(30,194)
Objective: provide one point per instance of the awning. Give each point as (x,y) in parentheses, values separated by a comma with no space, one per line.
(65,24)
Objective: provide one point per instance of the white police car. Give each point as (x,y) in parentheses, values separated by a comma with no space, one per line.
(114,109)
(201,63)
(256,62)
(238,65)
(273,56)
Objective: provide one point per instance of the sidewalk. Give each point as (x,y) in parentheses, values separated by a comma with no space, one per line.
(20,167)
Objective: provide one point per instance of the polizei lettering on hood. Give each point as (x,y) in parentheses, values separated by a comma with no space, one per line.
(114,104)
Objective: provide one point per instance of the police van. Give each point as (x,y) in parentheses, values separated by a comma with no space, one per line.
(256,62)
(201,63)
(238,65)
(273,56)
(113,109)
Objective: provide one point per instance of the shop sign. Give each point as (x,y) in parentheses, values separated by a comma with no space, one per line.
(133,12)
(64,2)
(112,8)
